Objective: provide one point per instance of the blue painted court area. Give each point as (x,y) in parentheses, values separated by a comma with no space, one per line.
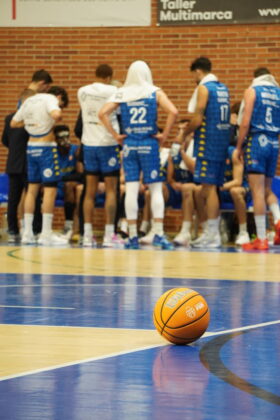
(230,375)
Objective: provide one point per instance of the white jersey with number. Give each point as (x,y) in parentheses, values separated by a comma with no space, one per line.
(35,112)
(92,98)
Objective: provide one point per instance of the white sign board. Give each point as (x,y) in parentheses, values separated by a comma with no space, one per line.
(67,13)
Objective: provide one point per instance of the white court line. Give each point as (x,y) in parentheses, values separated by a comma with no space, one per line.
(103,285)
(36,307)
(93,359)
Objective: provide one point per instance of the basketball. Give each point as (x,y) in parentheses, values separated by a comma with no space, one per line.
(181,315)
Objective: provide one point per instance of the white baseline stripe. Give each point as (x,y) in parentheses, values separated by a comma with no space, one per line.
(36,307)
(93,359)
(105,285)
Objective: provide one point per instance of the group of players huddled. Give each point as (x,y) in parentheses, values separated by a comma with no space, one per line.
(221,153)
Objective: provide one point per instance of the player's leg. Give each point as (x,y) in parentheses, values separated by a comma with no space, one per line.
(238,195)
(131,166)
(29,207)
(257,186)
(91,185)
(150,164)
(184,236)
(111,184)
(69,207)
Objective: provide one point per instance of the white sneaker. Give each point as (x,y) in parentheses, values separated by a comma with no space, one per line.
(182,239)
(28,238)
(52,239)
(208,240)
(67,233)
(242,238)
(89,241)
(200,240)
(112,241)
(270,237)
(214,240)
(147,239)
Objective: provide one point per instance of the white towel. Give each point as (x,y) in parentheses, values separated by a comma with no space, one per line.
(138,84)
(264,80)
(208,78)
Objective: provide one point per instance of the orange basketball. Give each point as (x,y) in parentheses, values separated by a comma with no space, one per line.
(181,315)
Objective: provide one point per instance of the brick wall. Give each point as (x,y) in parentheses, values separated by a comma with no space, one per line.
(71,55)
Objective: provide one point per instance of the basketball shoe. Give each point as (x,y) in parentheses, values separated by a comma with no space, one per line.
(147,239)
(242,238)
(52,239)
(208,240)
(182,239)
(28,238)
(112,241)
(256,245)
(277,234)
(162,242)
(132,243)
(89,241)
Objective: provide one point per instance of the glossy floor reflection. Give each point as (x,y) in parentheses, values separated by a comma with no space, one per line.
(95,354)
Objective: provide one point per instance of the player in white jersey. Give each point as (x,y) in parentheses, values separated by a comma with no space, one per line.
(38,114)
(101,154)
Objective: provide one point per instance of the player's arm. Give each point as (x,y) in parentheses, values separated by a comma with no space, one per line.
(5,133)
(249,100)
(189,161)
(17,120)
(172,113)
(238,169)
(170,175)
(56,115)
(197,117)
(104,116)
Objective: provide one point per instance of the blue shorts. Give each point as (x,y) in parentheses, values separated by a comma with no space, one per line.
(261,154)
(142,155)
(42,163)
(209,172)
(101,159)
(174,199)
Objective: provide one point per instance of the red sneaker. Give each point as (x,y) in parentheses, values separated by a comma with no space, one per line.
(277,234)
(256,245)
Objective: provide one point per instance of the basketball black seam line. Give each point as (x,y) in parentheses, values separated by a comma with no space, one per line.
(181,338)
(162,328)
(190,323)
(198,294)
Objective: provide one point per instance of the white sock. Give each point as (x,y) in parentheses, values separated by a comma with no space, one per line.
(109,230)
(68,224)
(132,229)
(144,226)
(204,226)
(22,223)
(274,208)
(123,226)
(28,221)
(242,227)
(213,225)
(88,229)
(186,227)
(260,226)
(158,228)
(47,223)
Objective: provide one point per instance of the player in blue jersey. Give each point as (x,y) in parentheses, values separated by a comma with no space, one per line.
(71,169)
(260,127)
(138,103)
(210,118)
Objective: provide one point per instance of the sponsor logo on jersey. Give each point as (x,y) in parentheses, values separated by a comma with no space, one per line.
(47,173)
